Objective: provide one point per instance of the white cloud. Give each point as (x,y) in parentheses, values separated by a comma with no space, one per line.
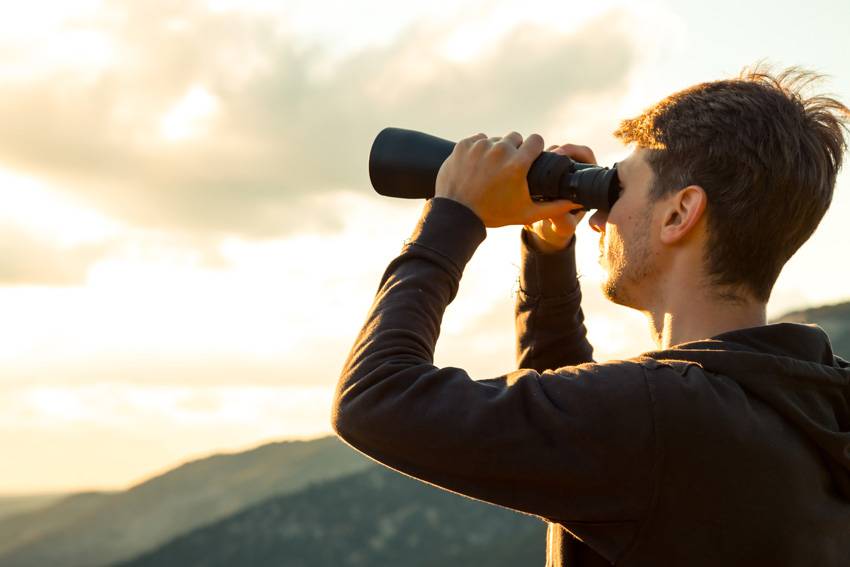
(260,118)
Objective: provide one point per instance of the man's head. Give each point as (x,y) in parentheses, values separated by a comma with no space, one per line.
(737,173)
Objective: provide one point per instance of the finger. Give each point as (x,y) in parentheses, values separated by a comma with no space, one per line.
(579,153)
(529,150)
(513,138)
(577,212)
(471,139)
(493,140)
(563,225)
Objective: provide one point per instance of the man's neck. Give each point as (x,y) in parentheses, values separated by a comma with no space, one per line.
(684,316)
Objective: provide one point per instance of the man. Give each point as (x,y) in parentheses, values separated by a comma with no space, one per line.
(730,445)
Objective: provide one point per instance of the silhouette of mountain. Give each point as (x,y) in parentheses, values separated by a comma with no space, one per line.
(95,529)
(373,518)
(834,319)
(17,504)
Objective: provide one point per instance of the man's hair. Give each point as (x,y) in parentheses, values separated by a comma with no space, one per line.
(766,157)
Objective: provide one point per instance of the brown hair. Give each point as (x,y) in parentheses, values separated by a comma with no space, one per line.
(766,157)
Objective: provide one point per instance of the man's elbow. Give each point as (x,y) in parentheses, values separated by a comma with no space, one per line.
(339,423)
(338,412)
(345,419)
(357,416)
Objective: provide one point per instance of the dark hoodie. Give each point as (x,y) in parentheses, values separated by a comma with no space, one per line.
(734,450)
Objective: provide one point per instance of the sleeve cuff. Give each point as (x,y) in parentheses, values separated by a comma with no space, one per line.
(550,274)
(449,228)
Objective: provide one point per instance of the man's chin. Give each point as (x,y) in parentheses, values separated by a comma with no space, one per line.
(613,293)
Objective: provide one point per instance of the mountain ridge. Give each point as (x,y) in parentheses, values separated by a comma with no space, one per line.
(93,529)
(374,518)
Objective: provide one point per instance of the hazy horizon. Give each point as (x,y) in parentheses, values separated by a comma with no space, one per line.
(190,242)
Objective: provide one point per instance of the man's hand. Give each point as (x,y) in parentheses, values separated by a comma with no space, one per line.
(488,175)
(554,233)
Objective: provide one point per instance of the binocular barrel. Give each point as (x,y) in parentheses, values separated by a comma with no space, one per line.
(404,163)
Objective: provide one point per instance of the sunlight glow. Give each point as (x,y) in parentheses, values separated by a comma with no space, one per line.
(191,116)
(32,205)
(112,435)
(44,35)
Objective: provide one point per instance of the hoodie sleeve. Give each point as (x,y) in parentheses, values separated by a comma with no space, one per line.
(571,445)
(549,321)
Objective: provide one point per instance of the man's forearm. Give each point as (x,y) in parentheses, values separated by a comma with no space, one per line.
(549,320)
(396,344)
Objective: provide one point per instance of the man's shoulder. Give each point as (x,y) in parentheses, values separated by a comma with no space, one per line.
(636,365)
(680,385)
(656,374)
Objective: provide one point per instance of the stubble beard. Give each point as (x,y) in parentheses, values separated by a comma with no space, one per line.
(629,268)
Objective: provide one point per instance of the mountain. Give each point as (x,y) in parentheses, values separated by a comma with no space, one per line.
(834,319)
(95,529)
(12,505)
(369,519)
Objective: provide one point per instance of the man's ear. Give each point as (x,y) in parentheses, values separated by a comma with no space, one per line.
(682,212)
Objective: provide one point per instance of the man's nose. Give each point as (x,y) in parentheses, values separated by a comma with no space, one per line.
(598,219)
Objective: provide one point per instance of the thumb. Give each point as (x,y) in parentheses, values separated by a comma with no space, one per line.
(553,209)
(567,222)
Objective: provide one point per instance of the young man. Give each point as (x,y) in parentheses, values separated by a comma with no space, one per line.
(730,444)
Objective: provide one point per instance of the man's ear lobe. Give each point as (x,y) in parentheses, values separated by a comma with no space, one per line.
(683,212)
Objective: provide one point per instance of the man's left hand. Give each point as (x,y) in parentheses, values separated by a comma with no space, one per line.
(488,175)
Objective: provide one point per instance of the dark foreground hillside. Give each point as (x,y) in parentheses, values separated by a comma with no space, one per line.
(375,518)
(96,529)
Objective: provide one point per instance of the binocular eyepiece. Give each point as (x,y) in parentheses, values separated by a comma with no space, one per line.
(404,163)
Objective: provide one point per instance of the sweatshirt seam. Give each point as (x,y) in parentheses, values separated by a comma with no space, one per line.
(657,464)
(534,303)
(565,297)
(459,270)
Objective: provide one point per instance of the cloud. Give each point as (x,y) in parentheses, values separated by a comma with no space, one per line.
(220,123)
(27,260)
(111,435)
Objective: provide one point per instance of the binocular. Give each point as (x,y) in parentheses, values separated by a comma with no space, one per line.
(404,163)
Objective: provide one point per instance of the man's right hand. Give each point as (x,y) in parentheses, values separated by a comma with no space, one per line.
(553,234)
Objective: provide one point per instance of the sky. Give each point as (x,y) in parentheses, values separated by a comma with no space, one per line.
(189,242)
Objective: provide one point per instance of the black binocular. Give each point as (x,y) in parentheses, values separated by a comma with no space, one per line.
(404,163)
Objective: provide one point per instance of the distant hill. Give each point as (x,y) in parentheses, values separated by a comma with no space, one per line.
(96,529)
(12,505)
(834,319)
(375,518)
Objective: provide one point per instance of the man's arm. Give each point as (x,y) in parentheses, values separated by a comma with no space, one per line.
(549,321)
(574,445)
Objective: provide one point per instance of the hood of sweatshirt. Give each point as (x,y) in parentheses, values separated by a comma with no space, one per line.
(791,367)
